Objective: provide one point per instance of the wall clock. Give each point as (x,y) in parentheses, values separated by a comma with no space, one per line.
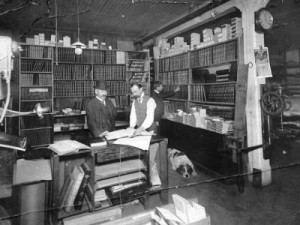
(263,20)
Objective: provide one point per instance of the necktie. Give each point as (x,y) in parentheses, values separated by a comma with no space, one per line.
(103,102)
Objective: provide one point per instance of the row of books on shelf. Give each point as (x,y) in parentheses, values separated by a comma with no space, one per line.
(182,94)
(36,65)
(39,52)
(68,55)
(34,93)
(179,77)
(136,66)
(136,77)
(110,57)
(120,101)
(198,93)
(225,52)
(202,57)
(30,79)
(36,137)
(72,72)
(178,62)
(76,188)
(73,88)
(221,93)
(222,53)
(117,87)
(216,54)
(109,72)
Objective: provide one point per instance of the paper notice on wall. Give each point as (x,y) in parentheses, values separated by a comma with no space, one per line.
(262,61)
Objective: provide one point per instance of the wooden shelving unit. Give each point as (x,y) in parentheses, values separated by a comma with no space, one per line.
(36,86)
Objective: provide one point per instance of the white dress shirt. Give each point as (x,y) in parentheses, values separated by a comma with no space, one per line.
(151,105)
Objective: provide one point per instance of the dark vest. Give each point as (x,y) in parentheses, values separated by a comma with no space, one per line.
(141,112)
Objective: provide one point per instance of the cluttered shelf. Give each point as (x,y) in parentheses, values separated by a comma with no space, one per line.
(121,183)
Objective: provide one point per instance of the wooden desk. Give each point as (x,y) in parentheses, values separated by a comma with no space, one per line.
(62,165)
(207,149)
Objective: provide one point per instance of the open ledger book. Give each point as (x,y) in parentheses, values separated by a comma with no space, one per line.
(129,132)
(67,146)
(127,137)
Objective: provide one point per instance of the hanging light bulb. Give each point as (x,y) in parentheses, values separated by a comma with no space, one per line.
(78,45)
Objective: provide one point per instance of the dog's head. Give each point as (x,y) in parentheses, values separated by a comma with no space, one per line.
(185,170)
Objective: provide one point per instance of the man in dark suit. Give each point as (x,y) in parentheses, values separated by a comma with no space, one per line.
(158,95)
(100,112)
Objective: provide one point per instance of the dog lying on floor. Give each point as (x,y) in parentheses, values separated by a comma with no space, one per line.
(181,163)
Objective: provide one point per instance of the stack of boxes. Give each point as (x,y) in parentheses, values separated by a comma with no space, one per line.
(65,42)
(94,44)
(40,40)
(195,40)
(226,32)
(217,34)
(236,27)
(179,46)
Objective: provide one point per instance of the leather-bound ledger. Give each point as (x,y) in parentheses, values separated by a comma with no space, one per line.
(83,187)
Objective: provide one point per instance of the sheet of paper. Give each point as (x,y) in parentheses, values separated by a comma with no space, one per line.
(141,142)
(28,171)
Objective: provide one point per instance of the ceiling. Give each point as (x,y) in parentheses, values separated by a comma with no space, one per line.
(131,18)
(137,18)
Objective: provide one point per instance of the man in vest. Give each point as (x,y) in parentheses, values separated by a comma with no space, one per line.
(142,118)
(100,112)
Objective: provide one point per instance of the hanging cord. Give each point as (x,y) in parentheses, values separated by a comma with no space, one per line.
(56,35)
(78,25)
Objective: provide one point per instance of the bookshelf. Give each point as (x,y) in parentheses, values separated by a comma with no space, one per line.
(138,68)
(59,79)
(206,77)
(36,86)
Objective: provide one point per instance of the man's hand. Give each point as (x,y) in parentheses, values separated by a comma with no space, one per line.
(138,131)
(177,89)
(103,133)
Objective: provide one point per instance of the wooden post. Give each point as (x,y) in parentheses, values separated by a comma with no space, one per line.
(253,110)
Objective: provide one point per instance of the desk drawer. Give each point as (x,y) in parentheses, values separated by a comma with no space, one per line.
(117,152)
